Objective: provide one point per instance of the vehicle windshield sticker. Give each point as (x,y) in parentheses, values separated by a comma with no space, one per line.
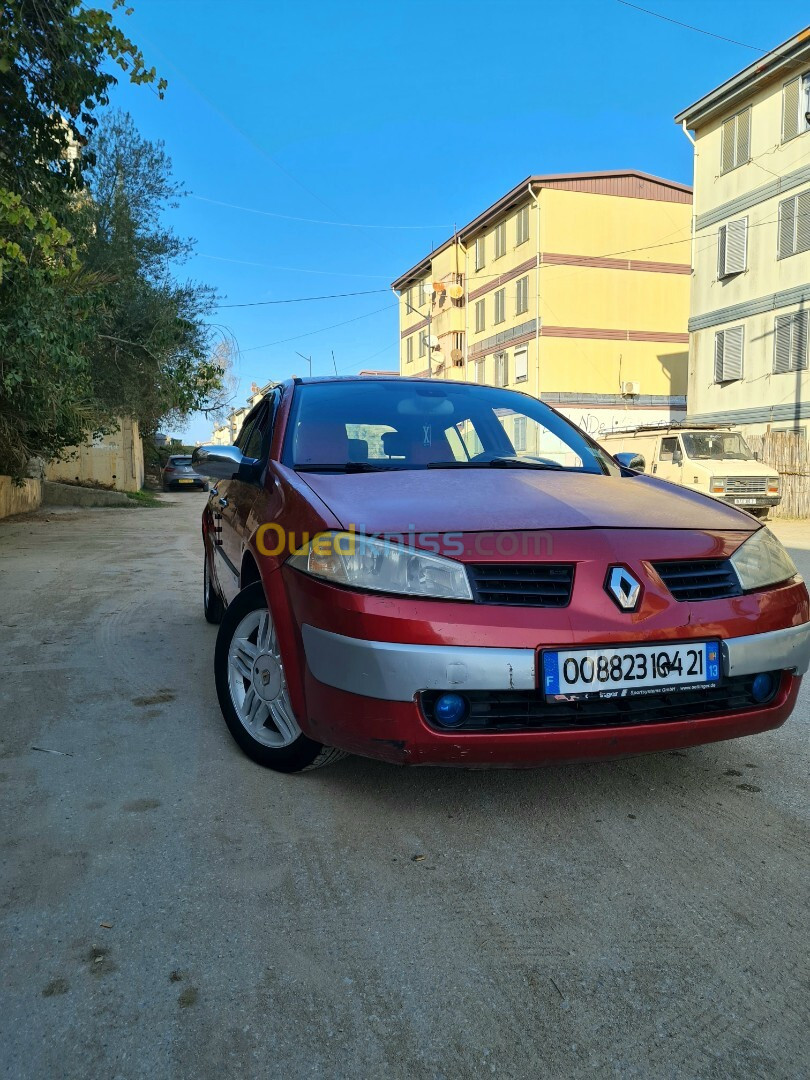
(426,430)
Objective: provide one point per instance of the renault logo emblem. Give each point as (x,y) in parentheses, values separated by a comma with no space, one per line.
(623,588)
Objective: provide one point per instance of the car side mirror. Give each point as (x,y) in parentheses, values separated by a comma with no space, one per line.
(677,457)
(636,462)
(223,462)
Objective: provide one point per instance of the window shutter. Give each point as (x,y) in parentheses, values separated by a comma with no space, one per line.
(787,224)
(801,322)
(790,109)
(803,221)
(728,354)
(718,357)
(743,137)
(736,244)
(521,364)
(721,251)
(729,138)
(781,344)
(733,353)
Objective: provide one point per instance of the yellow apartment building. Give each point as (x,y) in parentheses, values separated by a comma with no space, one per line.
(571,287)
(751,283)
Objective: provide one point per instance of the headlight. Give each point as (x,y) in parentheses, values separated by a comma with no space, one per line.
(762,561)
(718,485)
(364,562)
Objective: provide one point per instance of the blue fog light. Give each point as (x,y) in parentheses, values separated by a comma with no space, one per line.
(450,710)
(762,687)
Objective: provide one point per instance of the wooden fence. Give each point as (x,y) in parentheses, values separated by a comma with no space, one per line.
(789,455)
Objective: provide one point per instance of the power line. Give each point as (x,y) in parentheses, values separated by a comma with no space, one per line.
(323,329)
(302,299)
(687,26)
(313,221)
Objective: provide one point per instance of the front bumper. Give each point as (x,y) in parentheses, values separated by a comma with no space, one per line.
(391,671)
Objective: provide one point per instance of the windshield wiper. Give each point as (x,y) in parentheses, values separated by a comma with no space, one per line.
(347,467)
(494,463)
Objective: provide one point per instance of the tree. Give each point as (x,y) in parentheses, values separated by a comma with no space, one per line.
(153,357)
(92,323)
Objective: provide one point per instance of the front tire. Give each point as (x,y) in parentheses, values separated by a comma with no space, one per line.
(252,689)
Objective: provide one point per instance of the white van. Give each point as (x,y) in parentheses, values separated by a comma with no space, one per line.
(713,460)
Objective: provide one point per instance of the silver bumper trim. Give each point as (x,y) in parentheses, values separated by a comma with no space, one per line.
(397,672)
(394,672)
(778,650)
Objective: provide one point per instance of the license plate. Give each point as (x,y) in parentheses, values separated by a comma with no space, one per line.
(629,670)
(184,481)
(746,502)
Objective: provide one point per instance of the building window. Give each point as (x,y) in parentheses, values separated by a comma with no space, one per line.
(736,141)
(794,225)
(728,354)
(480,252)
(479,370)
(522,295)
(790,342)
(796,107)
(732,247)
(501,368)
(409,349)
(480,315)
(408,300)
(500,240)
(521,364)
(519,434)
(499,306)
(457,353)
(522,226)
(422,344)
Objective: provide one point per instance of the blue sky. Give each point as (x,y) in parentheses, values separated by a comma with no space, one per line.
(414,115)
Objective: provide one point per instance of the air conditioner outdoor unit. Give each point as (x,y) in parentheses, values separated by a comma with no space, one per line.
(631,389)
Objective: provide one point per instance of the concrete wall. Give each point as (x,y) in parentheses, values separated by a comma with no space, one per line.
(19,499)
(114,461)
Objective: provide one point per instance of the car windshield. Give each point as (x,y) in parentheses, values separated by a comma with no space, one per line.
(716,445)
(407,424)
(180,461)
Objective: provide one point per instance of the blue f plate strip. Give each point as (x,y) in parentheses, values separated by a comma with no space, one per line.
(551,673)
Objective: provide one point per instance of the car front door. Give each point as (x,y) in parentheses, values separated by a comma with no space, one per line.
(669,459)
(234,498)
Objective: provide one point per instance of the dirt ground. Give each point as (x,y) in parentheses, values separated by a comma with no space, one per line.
(170,909)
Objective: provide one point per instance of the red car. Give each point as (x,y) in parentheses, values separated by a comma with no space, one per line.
(438,573)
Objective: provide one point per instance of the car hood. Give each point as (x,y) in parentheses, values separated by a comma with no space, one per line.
(479,500)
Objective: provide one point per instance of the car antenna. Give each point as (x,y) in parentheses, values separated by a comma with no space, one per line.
(334,365)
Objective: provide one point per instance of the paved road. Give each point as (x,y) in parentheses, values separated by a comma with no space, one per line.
(644,918)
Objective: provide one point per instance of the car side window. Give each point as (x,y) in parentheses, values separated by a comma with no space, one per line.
(257,443)
(668,448)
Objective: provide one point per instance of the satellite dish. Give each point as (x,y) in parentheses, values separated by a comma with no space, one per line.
(456,292)
(456,355)
(438,286)
(432,341)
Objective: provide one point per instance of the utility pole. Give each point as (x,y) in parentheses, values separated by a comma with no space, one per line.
(308,360)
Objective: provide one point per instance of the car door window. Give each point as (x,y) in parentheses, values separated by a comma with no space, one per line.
(668,448)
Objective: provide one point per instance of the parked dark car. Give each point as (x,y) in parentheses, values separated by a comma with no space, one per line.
(439,573)
(178,472)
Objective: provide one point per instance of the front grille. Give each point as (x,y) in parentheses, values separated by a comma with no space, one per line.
(526,710)
(522,584)
(746,485)
(699,579)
